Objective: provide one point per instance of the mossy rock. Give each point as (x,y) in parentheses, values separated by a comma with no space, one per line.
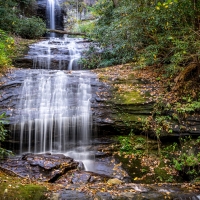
(17,188)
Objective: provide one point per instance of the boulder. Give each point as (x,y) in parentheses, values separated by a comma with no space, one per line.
(42,167)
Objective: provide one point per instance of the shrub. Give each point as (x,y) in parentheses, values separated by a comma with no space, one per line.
(6,49)
(30,28)
(8,15)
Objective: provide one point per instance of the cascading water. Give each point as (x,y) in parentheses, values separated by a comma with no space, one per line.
(53,8)
(54,111)
(57,54)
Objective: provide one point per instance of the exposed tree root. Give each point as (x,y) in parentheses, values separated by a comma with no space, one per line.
(191,72)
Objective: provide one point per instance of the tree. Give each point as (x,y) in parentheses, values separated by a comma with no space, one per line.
(14,18)
(155,32)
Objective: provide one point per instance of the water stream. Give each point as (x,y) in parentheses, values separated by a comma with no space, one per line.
(57,53)
(53,112)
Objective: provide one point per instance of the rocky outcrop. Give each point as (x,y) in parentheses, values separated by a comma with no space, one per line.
(125,102)
(190,125)
(43,167)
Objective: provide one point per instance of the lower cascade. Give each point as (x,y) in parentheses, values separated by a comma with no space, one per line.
(54,111)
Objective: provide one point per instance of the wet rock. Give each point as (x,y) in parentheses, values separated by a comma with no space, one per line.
(137,187)
(103,196)
(81,177)
(44,167)
(23,63)
(73,195)
(81,166)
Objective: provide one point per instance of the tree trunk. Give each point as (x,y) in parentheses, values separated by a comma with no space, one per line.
(196,16)
(66,32)
(115,3)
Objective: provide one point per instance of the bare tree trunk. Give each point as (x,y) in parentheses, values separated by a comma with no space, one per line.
(196,17)
(115,3)
(66,32)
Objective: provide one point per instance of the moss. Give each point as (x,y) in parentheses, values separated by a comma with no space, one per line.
(134,169)
(162,175)
(130,120)
(131,97)
(103,78)
(17,188)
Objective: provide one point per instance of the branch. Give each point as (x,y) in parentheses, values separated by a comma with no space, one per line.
(66,32)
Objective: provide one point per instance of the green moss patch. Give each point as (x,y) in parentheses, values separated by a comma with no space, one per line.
(129,97)
(17,188)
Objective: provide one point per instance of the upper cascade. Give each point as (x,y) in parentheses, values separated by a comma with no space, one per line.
(55,53)
(52,13)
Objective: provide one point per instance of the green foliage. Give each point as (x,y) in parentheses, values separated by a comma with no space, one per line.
(3,133)
(6,49)
(187,107)
(31,28)
(12,19)
(149,32)
(185,157)
(132,144)
(126,145)
(8,15)
(84,27)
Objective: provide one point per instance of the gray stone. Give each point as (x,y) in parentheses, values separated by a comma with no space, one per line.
(44,167)
(103,196)
(73,195)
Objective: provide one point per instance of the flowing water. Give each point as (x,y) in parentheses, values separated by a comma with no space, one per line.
(57,53)
(54,110)
(53,8)
(50,108)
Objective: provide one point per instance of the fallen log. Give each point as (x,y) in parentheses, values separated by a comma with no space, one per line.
(66,32)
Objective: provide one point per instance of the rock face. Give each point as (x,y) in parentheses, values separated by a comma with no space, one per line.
(43,167)
(11,93)
(189,126)
(109,116)
(125,102)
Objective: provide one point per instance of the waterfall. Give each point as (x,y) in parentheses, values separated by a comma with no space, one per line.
(56,53)
(54,111)
(52,9)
